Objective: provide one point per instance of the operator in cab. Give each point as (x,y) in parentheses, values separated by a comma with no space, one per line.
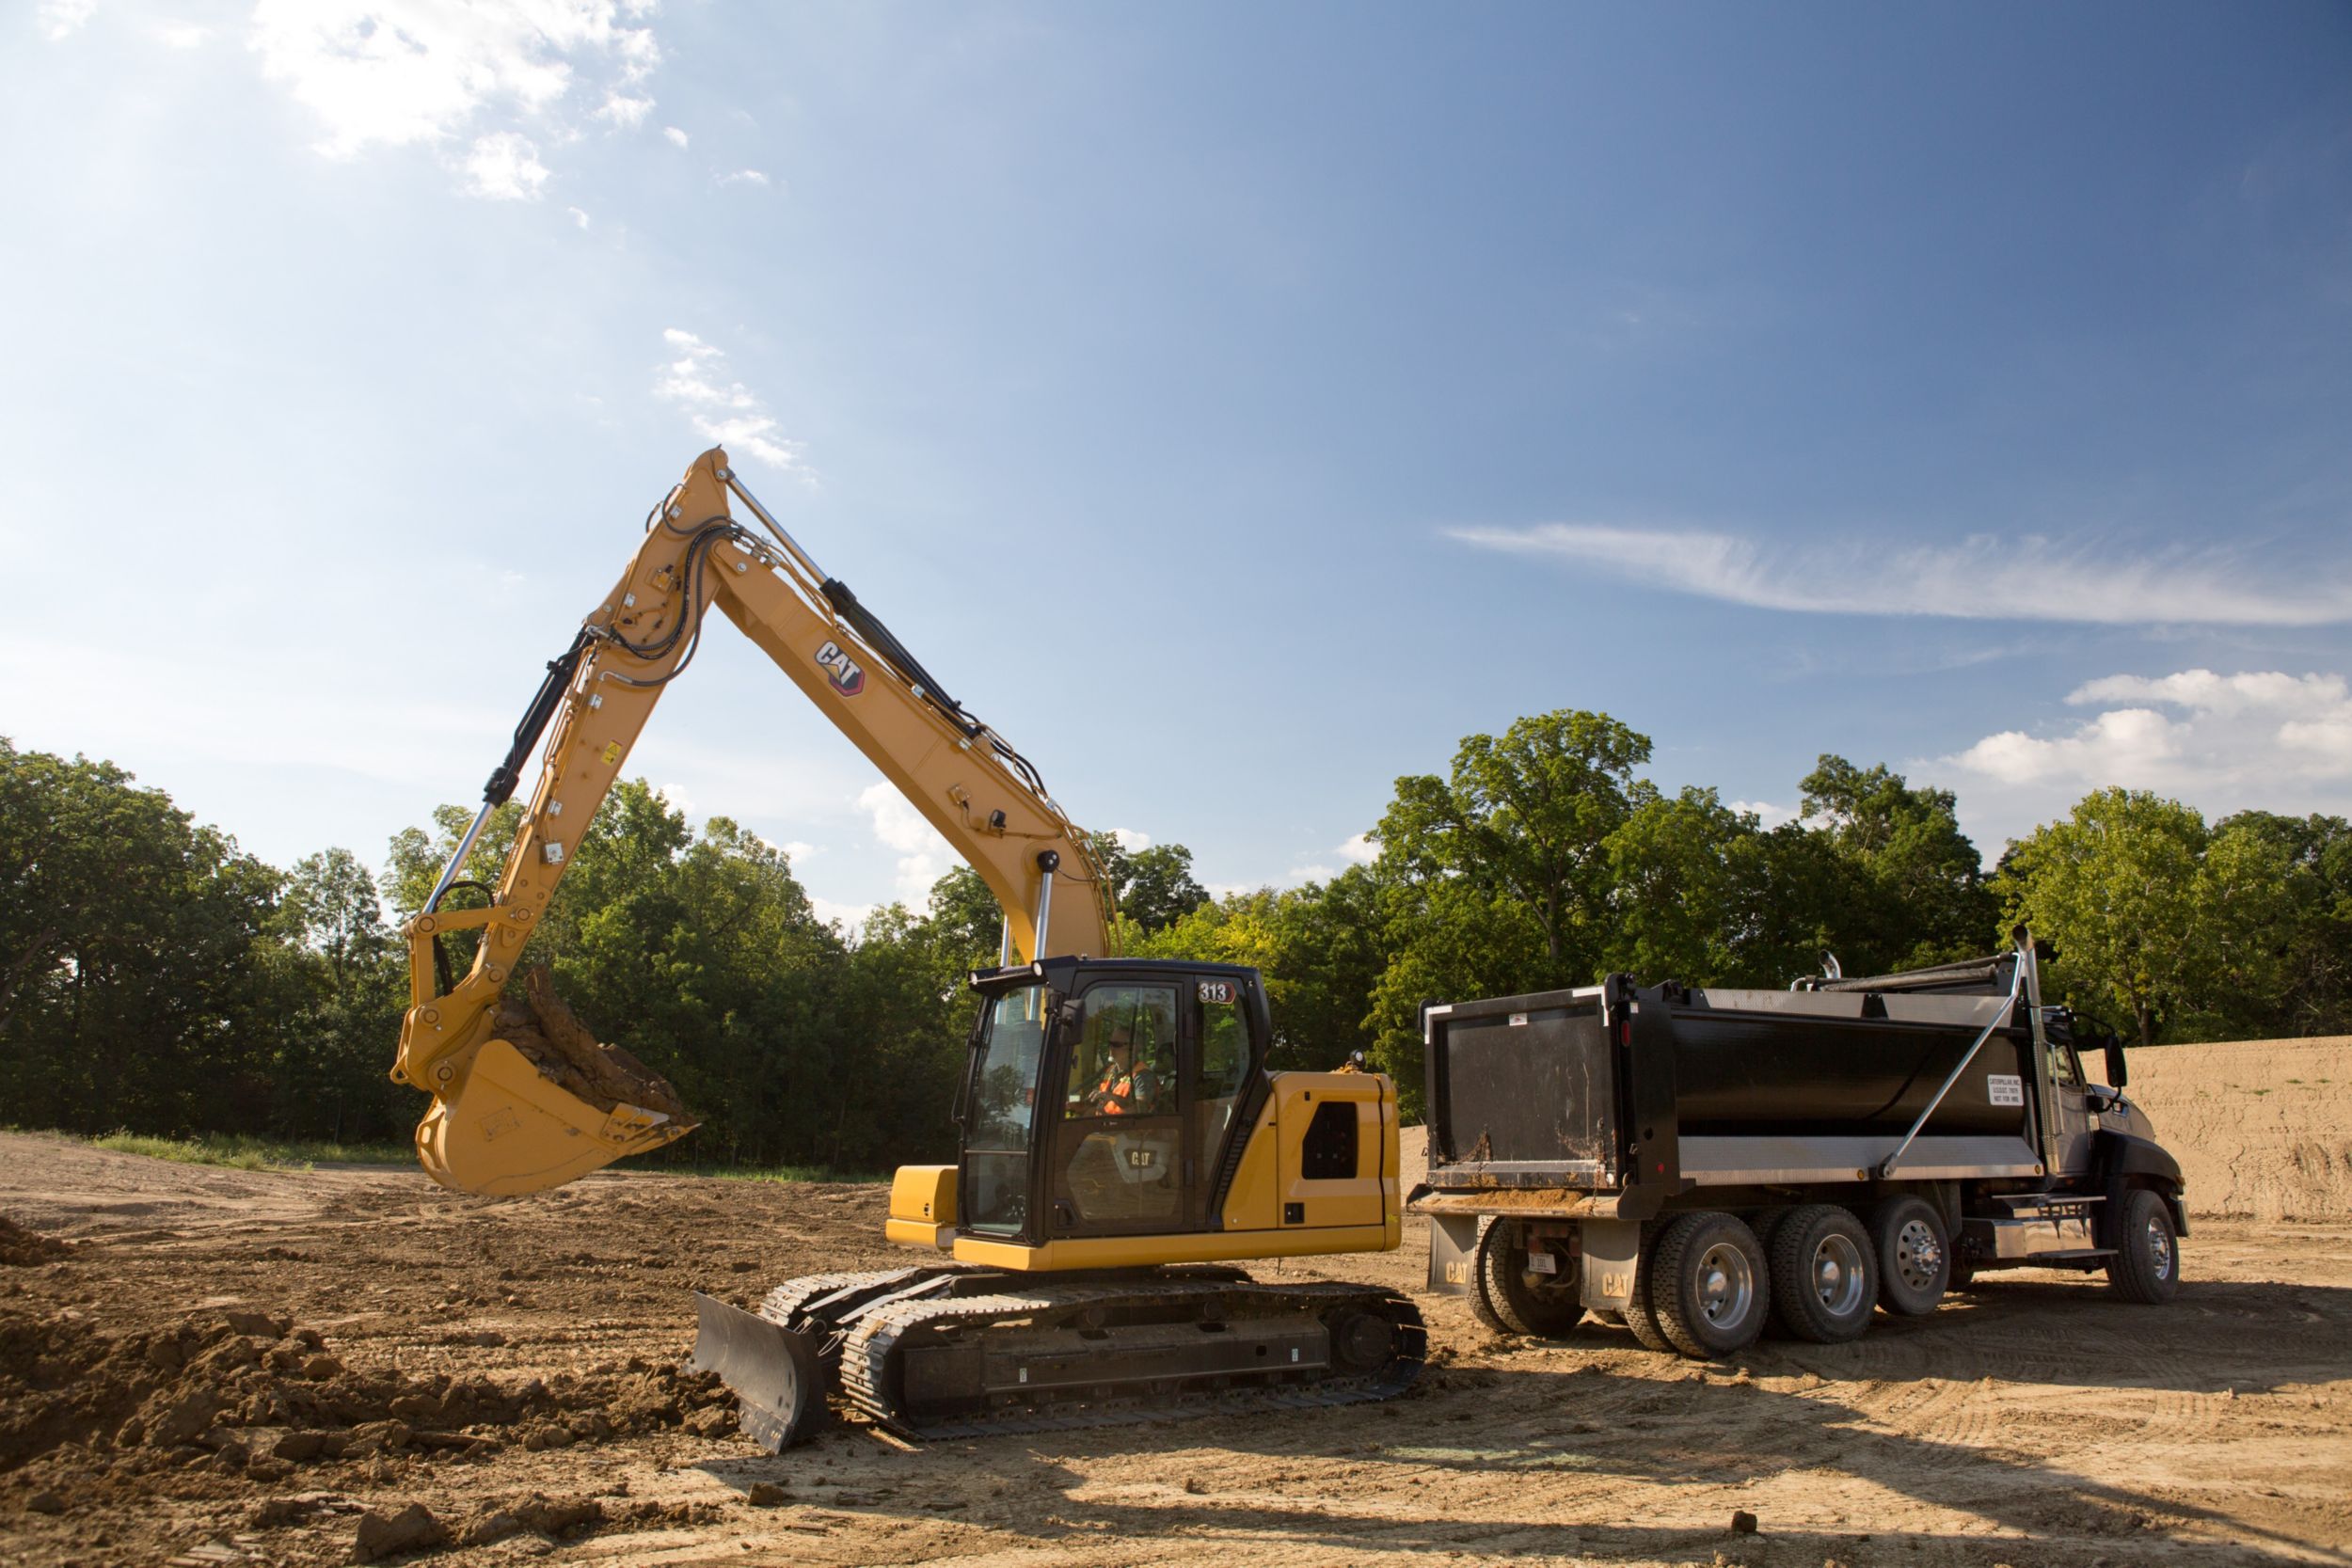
(1124,1089)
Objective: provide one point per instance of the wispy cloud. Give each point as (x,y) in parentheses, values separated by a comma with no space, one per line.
(1983,577)
(744,177)
(677,137)
(2222,743)
(431,72)
(721,410)
(180,35)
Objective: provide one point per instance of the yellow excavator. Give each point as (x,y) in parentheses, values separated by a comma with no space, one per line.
(1124,1145)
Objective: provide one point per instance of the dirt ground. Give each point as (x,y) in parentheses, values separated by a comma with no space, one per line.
(207,1366)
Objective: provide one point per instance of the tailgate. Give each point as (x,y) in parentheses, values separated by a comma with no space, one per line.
(1522,1092)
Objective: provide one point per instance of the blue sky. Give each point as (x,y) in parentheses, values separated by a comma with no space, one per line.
(1236,405)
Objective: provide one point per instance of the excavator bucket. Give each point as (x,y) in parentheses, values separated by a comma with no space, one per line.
(541,1102)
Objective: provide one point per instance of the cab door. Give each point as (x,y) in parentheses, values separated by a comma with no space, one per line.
(1221,1063)
(1118,1161)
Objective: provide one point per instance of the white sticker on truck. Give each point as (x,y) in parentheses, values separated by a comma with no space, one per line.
(2004,1089)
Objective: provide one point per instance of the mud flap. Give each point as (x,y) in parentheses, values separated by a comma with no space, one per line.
(775,1372)
(1453,1244)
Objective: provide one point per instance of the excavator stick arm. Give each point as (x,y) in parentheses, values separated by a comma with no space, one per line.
(522,1102)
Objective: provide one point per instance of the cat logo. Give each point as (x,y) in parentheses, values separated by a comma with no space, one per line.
(841,670)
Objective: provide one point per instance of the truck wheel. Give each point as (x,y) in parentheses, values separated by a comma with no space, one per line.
(2146,1267)
(1710,1286)
(1637,1314)
(1824,1275)
(1914,1255)
(1509,1298)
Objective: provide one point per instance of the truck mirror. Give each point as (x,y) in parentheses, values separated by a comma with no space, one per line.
(2116,1074)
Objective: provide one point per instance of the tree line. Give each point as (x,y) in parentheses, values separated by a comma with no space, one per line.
(153,977)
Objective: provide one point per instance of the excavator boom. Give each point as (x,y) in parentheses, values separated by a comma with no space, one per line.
(523,1102)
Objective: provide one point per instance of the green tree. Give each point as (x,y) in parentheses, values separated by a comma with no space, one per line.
(1911,886)
(1153,887)
(1499,877)
(1318,949)
(2154,917)
(133,987)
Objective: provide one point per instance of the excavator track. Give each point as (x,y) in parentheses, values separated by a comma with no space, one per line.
(939,1351)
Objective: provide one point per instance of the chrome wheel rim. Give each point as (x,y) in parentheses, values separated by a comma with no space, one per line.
(1837,1274)
(1918,1256)
(2160,1249)
(1727,1285)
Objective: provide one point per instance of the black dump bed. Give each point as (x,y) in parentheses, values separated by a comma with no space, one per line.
(1614,1084)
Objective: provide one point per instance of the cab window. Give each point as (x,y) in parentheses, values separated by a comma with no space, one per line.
(1124,1061)
(1223,1062)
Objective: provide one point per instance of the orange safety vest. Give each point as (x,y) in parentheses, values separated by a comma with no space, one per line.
(1115,1092)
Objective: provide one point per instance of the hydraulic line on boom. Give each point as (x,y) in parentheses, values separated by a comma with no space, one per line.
(507,1115)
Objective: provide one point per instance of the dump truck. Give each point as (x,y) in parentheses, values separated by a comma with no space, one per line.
(1703,1164)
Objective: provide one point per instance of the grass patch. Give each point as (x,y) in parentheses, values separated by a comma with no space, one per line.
(244,1152)
(773,1173)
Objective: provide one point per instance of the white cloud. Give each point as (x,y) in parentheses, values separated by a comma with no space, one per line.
(1130,840)
(677,137)
(2223,743)
(2030,579)
(429,73)
(60,20)
(505,166)
(1360,850)
(797,850)
(924,857)
(723,411)
(1315,872)
(1767,814)
(578,217)
(677,798)
(848,916)
(624,110)
(180,35)
(743,176)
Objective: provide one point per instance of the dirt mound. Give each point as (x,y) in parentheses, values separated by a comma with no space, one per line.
(19,1247)
(264,1396)
(2261,1128)
(545,1029)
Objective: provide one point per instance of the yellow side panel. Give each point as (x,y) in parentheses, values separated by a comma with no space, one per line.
(1253,1203)
(1368,1199)
(1121,1252)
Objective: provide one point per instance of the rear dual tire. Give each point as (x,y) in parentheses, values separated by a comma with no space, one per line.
(1709,1287)
(1510,1298)
(1824,1275)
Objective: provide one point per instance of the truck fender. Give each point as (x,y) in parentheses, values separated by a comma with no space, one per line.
(2129,1161)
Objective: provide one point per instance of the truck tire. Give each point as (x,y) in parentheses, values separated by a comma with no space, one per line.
(1709,1288)
(2146,1267)
(1508,1298)
(1913,1256)
(1637,1314)
(1824,1275)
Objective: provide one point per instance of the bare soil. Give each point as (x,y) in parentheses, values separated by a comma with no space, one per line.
(201,1366)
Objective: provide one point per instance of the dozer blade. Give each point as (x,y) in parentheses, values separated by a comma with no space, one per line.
(510,1130)
(774,1371)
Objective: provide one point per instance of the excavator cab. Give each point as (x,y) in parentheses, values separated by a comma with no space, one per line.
(1101,1098)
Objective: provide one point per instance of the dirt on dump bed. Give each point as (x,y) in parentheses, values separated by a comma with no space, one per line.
(546,1030)
(217,1367)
